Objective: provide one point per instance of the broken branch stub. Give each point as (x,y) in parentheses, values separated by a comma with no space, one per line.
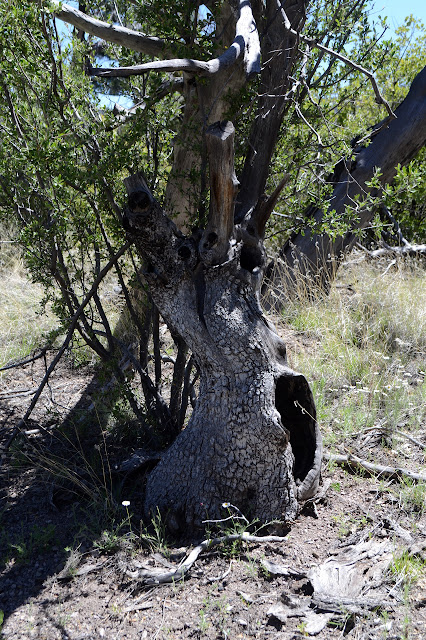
(215,241)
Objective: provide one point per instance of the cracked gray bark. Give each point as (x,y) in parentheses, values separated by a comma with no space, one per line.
(252,439)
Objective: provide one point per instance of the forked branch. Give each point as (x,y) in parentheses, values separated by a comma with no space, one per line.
(246,43)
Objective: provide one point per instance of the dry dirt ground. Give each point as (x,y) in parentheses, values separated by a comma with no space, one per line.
(351,565)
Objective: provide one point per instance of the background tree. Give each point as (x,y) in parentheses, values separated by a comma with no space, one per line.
(62,169)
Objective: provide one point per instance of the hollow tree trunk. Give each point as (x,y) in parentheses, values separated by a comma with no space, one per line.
(252,439)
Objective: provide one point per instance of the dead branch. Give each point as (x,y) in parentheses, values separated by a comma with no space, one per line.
(122,36)
(214,244)
(246,43)
(312,43)
(66,342)
(353,462)
(150,577)
(411,439)
(21,363)
(407,250)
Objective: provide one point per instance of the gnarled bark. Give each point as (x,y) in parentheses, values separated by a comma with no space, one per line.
(252,439)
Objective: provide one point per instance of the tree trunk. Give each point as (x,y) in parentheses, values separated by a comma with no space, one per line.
(317,256)
(252,439)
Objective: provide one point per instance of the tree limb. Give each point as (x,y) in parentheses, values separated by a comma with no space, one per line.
(246,43)
(122,36)
(317,255)
(354,462)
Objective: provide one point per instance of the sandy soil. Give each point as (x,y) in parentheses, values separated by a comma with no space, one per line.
(71,567)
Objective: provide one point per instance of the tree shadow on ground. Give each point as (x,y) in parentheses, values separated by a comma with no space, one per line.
(60,497)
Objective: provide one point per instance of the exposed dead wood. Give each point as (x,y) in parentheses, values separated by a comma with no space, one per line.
(410,250)
(353,462)
(317,256)
(344,582)
(276,569)
(149,576)
(122,36)
(419,444)
(246,43)
(214,244)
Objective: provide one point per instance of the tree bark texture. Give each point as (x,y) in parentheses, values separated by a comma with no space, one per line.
(252,439)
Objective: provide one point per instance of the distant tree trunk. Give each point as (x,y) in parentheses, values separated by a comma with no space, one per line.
(252,439)
(317,256)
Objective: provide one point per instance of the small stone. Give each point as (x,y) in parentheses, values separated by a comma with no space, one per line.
(242,622)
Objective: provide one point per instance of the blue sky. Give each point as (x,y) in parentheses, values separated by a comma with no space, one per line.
(397,10)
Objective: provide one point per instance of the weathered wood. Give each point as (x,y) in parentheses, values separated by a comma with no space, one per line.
(246,44)
(317,256)
(354,462)
(252,438)
(122,36)
(215,241)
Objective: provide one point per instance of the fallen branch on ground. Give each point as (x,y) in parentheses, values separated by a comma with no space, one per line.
(151,577)
(353,462)
(21,363)
(405,250)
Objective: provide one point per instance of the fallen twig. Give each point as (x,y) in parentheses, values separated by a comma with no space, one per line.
(353,462)
(411,439)
(150,577)
(21,363)
(16,393)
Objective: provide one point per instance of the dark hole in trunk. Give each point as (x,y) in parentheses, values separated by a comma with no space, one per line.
(294,402)
(250,258)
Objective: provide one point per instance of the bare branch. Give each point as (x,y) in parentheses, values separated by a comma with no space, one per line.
(122,36)
(179,64)
(66,342)
(246,43)
(152,577)
(379,98)
(21,363)
(354,462)
(214,244)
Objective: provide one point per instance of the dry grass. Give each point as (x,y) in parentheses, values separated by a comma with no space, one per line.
(364,348)
(23,322)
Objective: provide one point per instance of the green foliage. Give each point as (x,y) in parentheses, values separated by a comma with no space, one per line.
(65,154)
